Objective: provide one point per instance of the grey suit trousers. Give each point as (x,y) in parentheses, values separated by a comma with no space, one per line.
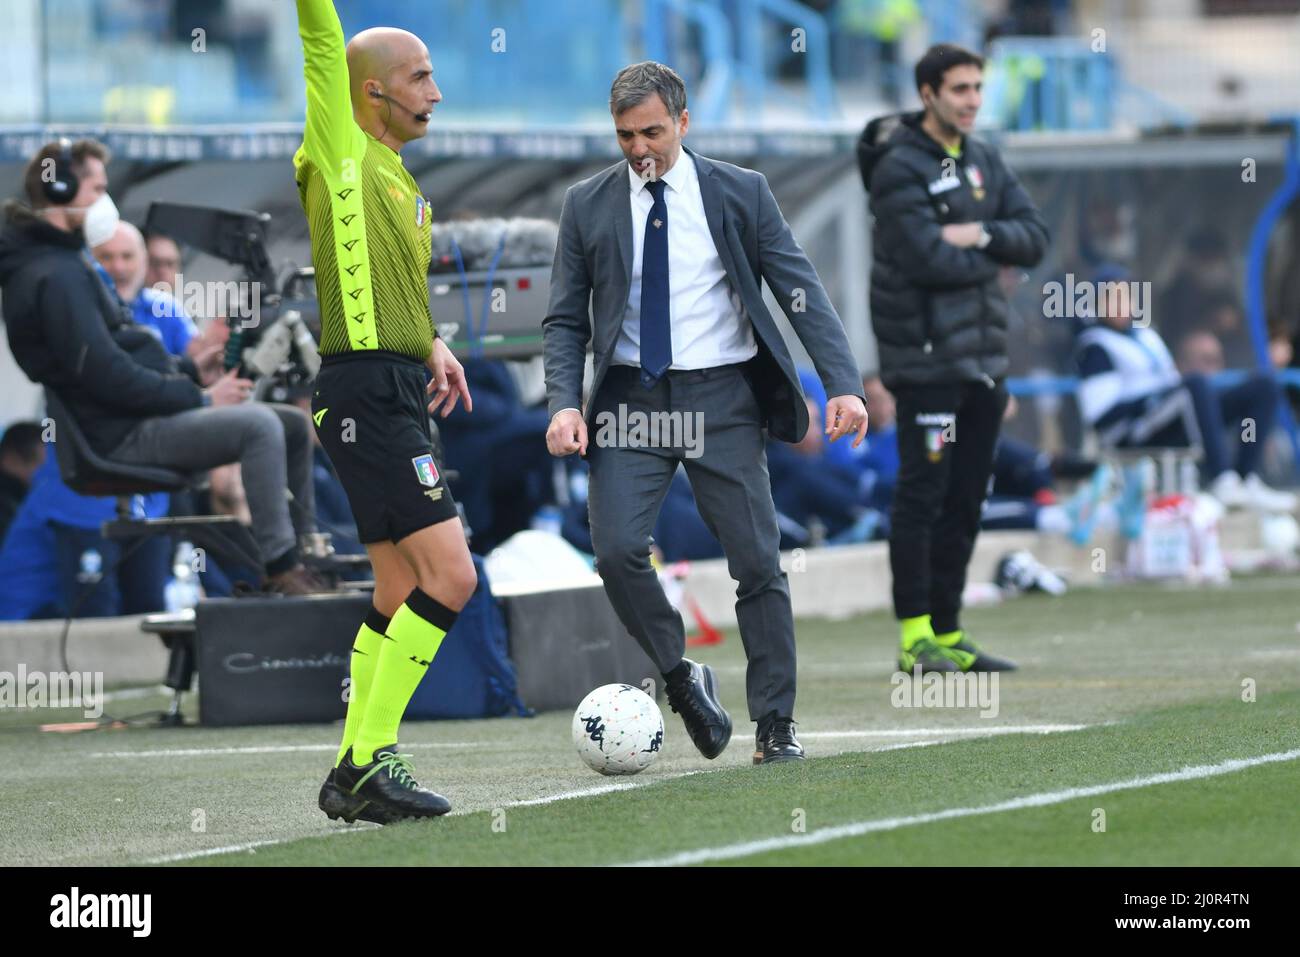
(727,466)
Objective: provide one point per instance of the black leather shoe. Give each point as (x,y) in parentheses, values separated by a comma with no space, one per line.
(387,782)
(775,742)
(339,805)
(695,698)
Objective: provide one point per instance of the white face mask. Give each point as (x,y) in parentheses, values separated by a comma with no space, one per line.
(101,221)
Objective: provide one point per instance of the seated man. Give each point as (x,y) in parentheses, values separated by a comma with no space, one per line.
(1022,494)
(21,455)
(1200,353)
(123,257)
(123,262)
(809,487)
(162,263)
(135,403)
(504,473)
(1131,392)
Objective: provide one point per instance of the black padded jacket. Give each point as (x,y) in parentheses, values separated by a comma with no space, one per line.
(68,333)
(937,310)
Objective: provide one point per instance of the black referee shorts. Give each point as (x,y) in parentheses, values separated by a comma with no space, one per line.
(371,415)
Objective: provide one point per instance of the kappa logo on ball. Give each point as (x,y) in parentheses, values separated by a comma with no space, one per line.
(425,470)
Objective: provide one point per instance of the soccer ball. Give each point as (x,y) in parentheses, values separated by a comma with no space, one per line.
(618,730)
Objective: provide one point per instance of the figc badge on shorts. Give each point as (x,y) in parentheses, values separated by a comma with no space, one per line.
(934,443)
(425,470)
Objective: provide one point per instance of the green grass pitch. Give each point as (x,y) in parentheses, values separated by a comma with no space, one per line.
(1112,745)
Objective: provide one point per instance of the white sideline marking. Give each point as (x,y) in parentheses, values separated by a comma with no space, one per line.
(297,748)
(931,732)
(607,788)
(595,791)
(268,749)
(254,845)
(905,745)
(859,828)
(366,826)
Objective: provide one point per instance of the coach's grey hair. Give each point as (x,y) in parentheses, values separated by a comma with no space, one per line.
(637,82)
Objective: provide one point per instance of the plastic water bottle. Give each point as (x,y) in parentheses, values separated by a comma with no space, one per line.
(548,519)
(578,482)
(91,564)
(577,486)
(183,590)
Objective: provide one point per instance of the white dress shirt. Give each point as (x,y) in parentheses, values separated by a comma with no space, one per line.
(708,326)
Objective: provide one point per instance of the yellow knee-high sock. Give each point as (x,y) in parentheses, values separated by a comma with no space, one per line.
(365,655)
(412,640)
(949,638)
(912,630)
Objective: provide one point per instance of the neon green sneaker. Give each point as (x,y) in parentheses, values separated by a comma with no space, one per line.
(927,655)
(968,656)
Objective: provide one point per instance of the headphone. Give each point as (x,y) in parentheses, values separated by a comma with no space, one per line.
(63,188)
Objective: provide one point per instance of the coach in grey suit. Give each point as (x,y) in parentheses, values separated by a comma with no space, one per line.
(658,267)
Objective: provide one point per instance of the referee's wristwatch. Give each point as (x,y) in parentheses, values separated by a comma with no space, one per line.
(986,237)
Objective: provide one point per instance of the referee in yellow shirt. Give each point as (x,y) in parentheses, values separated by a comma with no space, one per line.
(370,238)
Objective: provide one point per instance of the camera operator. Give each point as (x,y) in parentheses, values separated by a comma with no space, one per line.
(135,402)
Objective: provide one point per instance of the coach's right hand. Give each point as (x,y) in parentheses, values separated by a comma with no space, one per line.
(228,390)
(567,433)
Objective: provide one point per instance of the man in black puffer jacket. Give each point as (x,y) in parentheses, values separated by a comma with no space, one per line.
(948,215)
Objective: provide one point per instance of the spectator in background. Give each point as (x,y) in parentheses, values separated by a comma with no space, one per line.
(882,441)
(821,496)
(812,489)
(1023,492)
(333,513)
(56,561)
(1200,353)
(1281,350)
(504,472)
(1132,393)
(122,259)
(135,403)
(680,533)
(163,262)
(69,567)
(1204,294)
(852,468)
(21,454)
(885,23)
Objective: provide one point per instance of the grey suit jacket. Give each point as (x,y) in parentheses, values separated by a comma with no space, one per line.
(592,274)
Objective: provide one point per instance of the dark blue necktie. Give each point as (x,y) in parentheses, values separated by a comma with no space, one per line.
(656,332)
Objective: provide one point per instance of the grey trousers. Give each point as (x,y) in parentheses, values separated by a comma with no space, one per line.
(272,444)
(726,462)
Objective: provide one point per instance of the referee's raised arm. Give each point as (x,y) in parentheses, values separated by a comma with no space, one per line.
(330,129)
